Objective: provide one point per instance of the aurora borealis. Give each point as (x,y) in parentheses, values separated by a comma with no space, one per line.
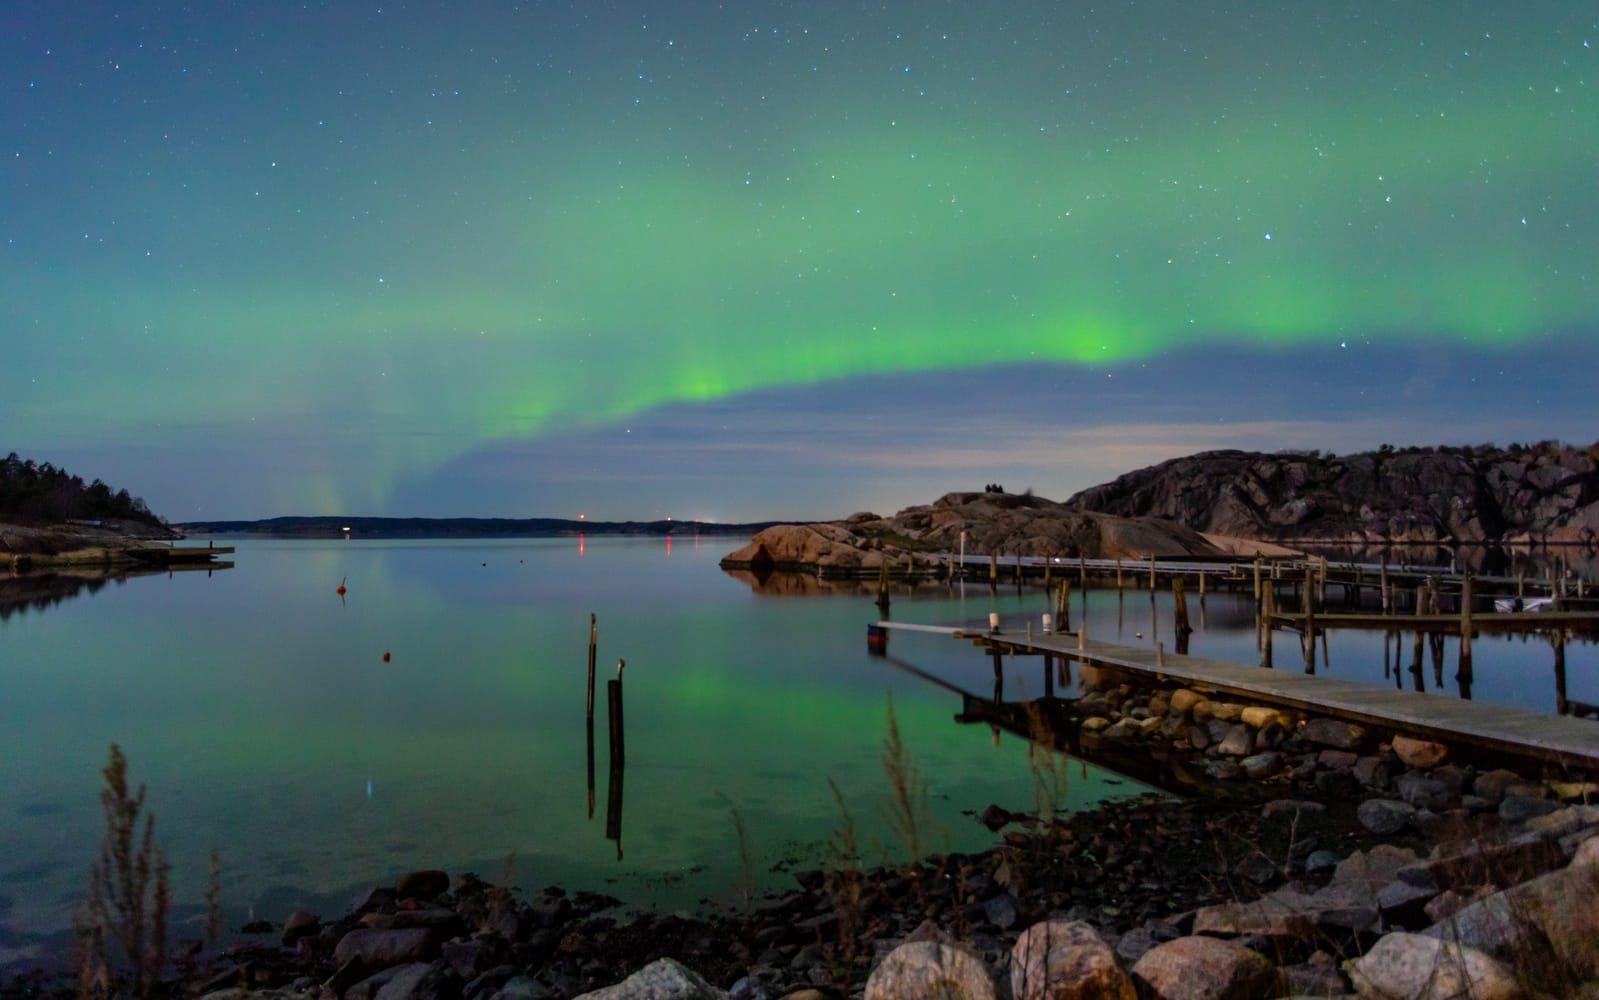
(515,259)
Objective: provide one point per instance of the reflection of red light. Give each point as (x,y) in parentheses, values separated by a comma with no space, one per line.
(668,544)
(580,543)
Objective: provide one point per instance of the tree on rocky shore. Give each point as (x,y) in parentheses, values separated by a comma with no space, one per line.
(42,492)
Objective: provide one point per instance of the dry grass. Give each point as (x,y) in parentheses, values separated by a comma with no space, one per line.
(907,810)
(128,896)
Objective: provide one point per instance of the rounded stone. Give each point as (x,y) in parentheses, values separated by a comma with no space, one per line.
(1066,960)
(930,969)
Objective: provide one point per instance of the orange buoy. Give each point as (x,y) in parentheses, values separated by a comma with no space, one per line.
(385,657)
(340,591)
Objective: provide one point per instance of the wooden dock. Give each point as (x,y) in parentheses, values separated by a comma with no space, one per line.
(1564,740)
(1512,621)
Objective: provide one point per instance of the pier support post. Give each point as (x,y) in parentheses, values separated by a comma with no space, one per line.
(1180,605)
(1257,584)
(1118,573)
(1386,606)
(1152,573)
(993,568)
(1268,609)
(1063,607)
(613,691)
(1465,625)
(1310,622)
(594,637)
(1562,707)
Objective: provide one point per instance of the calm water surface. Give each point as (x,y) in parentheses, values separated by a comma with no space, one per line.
(257,706)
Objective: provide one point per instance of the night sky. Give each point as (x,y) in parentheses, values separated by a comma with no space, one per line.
(769,260)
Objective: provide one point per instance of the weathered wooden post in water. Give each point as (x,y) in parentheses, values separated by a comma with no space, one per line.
(1257,582)
(613,691)
(594,638)
(1118,573)
(1266,612)
(1180,605)
(1310,621)
(1562,707)
(1465,626)
(993,568)
(1063,607)
(1386,607)
(1152,574)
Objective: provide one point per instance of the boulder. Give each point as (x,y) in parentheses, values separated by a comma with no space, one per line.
(1421,791)
(1239,741)
(1550,921)
(1262,765)
(1205,968)
(1334,733)
(379,949)
(1385,817)
(1184,700)
(1372,772)
(420,982)
(1492,785)
(1416,967)
(1066,960)
(298,925)
(930,969)
(662,979)
(1520,808)
(1421,754)
(1337,760)
(1257,717)
(428,884)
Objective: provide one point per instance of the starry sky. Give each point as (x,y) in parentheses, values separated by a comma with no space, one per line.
(777,259)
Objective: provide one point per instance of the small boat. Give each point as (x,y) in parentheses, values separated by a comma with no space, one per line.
(1510,605)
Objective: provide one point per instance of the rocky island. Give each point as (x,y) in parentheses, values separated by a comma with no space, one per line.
(1545,492)
(915,540)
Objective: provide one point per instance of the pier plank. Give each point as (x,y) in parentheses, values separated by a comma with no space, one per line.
(1561,739)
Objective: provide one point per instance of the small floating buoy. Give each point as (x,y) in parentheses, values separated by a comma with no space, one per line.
(385,657)
(340,590)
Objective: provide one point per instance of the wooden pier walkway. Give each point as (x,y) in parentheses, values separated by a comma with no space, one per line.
(1564,740)
(1507,621)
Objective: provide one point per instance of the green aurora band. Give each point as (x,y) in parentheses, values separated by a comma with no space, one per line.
(515,260)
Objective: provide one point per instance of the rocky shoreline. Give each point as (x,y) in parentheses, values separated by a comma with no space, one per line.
(917,540)
(26,547)
(1519,494)
(1341,860)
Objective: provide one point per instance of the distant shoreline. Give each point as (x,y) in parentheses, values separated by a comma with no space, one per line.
(459,527)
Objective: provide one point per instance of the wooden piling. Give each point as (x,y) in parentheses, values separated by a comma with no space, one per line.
(1063,607)
(613,691)
(1180,605)
(1152,572)
(1202,586)
(1387,606)
(1257,582)
(993,567)
(1309,637)
(1559,640)
(1268,608)
(1465,624)
(1118,574)
(594,637)
(1082,574)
